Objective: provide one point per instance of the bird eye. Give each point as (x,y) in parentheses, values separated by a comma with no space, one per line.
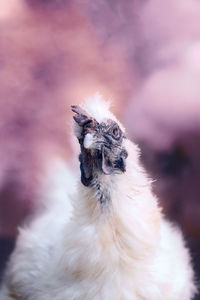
(115,132)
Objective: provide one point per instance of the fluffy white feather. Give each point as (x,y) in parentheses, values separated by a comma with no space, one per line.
(123,251)
(98,108)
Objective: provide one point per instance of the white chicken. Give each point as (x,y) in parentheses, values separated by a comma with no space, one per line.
(115,244)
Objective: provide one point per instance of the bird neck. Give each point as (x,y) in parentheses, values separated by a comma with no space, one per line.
(124,197)
(123,226)
(117,216)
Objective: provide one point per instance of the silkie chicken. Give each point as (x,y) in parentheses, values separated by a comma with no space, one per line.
(116,244)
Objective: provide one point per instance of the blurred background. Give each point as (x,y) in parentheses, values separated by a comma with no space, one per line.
(144,55)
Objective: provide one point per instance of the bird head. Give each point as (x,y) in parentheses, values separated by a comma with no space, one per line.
(102,147)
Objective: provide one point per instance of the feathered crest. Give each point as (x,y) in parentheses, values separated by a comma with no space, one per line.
(98,108)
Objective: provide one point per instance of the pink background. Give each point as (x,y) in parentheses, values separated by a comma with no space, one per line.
(142,54)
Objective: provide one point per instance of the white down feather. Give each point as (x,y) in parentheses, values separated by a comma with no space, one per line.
(74,250)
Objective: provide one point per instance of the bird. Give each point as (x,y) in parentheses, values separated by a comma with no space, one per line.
(115,244)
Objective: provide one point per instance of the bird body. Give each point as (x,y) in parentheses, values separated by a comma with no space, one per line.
(116,244)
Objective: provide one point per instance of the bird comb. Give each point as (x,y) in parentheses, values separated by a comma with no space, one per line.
(82,118)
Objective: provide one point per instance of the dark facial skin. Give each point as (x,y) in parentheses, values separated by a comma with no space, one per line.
(109,156)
